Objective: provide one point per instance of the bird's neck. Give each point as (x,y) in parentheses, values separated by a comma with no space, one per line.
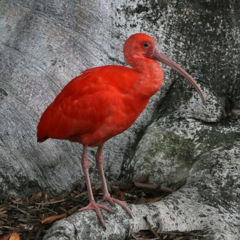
(150,77)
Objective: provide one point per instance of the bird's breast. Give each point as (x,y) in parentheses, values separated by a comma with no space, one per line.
(149,81)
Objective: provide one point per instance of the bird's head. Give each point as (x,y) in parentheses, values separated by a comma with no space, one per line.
(141,46)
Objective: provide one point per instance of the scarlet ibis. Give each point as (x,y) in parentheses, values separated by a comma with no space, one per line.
(103,102)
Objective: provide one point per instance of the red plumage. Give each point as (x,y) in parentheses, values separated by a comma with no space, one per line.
(93,107)
(103,102)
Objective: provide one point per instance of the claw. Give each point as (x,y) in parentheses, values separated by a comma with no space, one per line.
(96,207)
(112,201)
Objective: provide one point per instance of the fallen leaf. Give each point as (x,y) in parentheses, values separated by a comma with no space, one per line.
(6,237)
(141,200)
(14,236)
(118,193)
(37,196)
(53,218)
(156,199)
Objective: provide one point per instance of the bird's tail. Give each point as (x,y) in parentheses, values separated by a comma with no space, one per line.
(42,128)
(40,140)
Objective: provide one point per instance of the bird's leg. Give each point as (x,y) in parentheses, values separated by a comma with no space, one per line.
(92,203)
(106,195)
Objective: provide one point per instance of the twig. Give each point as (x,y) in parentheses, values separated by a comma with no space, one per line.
(151,228)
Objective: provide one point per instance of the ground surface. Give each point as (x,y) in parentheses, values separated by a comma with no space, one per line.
(31,217)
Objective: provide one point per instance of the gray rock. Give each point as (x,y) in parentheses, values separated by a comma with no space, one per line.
(203,203)
(171,145)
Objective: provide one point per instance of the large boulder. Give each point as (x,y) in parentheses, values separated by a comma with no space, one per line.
(209,201)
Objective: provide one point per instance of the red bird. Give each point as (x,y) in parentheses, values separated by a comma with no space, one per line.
(104,101)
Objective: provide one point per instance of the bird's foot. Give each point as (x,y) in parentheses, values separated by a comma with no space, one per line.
(96,207)
(112,201)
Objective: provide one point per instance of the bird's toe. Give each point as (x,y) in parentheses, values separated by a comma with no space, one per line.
(96,207)
(112,201)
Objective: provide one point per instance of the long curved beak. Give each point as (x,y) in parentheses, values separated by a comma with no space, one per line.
(166,60)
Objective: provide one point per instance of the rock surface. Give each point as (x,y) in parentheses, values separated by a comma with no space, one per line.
(176,141)
(209,200)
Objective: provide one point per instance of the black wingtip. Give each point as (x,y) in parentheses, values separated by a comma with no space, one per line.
(40,140)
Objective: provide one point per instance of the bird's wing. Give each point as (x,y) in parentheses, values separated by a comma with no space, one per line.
(84,103)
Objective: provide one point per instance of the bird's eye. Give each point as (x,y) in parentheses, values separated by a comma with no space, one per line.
(146,45)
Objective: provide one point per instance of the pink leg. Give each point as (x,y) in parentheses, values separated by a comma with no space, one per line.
(92,203)
(106,195)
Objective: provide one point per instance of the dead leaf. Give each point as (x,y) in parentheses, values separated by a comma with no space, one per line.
(53,218)
(37,196)
(14,236)
(156,199)
(118,193)
(141,200)
(6,237)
